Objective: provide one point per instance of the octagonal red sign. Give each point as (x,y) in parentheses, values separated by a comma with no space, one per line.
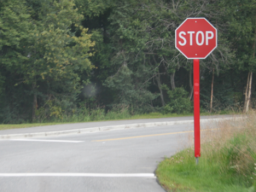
(196,38)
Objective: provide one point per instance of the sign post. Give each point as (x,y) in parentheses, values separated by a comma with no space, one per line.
(196,66)
(196,38)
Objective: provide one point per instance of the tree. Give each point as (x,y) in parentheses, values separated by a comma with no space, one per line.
(145,30)
(242,33)
(55,49)
(14,32)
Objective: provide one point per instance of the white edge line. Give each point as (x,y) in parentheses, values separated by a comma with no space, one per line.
(41,140)
(148,175)
(106,128)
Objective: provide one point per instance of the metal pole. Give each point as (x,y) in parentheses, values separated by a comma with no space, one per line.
(197,108)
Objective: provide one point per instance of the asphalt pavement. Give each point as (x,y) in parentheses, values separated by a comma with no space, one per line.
(109,161)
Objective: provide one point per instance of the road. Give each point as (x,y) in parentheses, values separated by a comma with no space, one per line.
(113,161)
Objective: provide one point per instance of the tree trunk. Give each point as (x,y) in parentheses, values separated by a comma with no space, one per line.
(172,81)
(34,107)
(253,89)
(159,84)
(212,91)
(191,85)
(248,92)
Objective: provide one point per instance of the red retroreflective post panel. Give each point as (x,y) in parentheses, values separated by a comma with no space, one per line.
(196,38)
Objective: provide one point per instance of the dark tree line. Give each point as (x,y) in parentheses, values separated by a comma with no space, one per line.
(59,59)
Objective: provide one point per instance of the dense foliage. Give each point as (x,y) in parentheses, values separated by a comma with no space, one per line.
(61,58)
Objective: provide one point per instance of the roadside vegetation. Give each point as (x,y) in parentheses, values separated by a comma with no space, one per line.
(100,115)
(84,60)
(227,162)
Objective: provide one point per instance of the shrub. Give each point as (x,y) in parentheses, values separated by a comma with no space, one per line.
(97,114)
(178,101)
(254,184)
(239,156)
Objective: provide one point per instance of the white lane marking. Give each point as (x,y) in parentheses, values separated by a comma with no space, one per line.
(41,140)
(147,175)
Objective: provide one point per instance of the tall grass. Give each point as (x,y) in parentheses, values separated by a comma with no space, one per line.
(227,162)
(86,115)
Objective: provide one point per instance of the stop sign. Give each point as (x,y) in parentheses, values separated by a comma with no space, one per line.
(196,38)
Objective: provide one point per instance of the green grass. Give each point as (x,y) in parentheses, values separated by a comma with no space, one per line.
(110,116)
(24,125)
(100,116)
(159,115)
(176,176)
(227,163)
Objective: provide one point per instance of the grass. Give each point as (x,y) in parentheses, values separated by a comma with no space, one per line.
(228,161)
(110,116)
(99,115)
(159,115)
(24,125)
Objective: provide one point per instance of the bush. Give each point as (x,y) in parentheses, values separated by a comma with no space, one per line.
(238,156)
(97,114)
(178,101)
(254,184)
(115,113)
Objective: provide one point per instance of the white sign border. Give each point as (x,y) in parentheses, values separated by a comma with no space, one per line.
(210,24)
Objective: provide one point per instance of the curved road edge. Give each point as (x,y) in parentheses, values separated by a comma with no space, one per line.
(108,128)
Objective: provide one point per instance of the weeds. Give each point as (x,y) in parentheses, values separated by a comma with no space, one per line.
(83,114)
(227,161)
